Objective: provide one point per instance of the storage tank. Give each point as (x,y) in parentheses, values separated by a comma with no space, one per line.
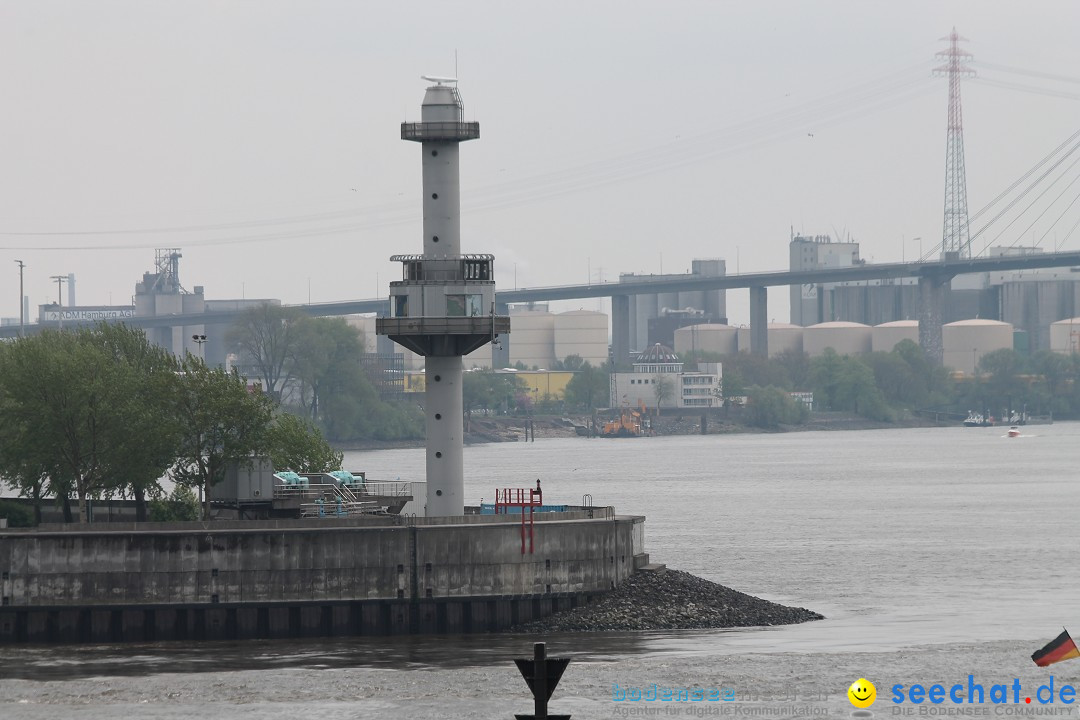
(584,333)
(1065,336)
(707,337)
(846,338)
(193,304)
(782,337)
(479,358)
(966,341)
(886,336)
(532,338)
(365,325)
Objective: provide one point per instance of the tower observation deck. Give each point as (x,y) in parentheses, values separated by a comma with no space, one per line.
(444,305)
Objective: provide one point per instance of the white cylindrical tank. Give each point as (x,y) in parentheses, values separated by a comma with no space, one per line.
(1065,336)
(886,336)
(966,341)
(846,338)
(710,338)
(785,337)
(532,339)
(583,333)
(365,325)
(782,337)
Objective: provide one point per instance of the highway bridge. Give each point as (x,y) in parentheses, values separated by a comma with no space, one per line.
(932,276)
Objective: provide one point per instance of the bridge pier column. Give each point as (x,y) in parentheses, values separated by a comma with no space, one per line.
(620,329)
(500,352)
(759,322)
(932,290)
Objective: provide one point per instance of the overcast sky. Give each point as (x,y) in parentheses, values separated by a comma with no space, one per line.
(262,138)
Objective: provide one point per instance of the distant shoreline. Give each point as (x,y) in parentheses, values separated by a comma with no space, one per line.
(493,429)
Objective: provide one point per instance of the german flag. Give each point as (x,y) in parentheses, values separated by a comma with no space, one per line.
(1060,648)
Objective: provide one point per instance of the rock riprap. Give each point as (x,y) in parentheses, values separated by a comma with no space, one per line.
(670,600)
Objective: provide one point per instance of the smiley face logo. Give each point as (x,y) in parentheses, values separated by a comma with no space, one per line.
(862,693)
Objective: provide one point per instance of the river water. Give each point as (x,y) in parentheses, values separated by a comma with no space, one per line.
(934,554)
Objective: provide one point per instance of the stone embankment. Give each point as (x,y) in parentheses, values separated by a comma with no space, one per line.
(670,600)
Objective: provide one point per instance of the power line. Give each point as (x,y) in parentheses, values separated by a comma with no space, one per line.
(1033,89)
(1029,73)
(862,99)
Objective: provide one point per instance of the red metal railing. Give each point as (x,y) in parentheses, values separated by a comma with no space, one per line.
(524,498)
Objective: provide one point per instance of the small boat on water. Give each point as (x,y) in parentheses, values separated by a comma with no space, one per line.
(1014,431)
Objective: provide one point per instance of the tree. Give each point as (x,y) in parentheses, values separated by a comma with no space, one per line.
(769,407)
(153,380)
(796,365)
(896,380)
(21,470)
(1003,388)
(487,390)
(295,444)
(181,505)
(934,378)
(223,422)
(1053,369)
(590,388)
(845,382)
(268,338)
(17,515)
(74,413)
(573,363)
(663,388)
(326,360)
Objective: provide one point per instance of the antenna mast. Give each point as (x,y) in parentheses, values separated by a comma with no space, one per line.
(956,241)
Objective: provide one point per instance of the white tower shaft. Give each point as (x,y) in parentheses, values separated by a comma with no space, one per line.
(444,306)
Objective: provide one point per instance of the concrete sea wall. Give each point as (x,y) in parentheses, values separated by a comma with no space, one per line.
(293,578)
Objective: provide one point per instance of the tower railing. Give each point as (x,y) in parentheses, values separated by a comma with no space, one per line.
(435,131)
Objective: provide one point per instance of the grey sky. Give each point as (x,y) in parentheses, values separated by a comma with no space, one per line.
(614,135)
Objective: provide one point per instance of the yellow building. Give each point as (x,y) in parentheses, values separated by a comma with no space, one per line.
(544,383)
(540,384)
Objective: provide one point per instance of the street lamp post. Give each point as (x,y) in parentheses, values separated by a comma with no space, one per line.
(60,280)
(200,340)
(22,310)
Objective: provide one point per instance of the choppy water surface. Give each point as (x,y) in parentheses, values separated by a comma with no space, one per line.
(935,553)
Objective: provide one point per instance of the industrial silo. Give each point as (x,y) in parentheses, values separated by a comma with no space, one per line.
(709,337)
(966,341)
(782,337)
(532,338)
(846,338)
(583,333)
(1065,336)
(886,336)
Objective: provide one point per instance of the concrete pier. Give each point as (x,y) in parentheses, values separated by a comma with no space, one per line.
(225,580)
(932,291)
(759,321)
